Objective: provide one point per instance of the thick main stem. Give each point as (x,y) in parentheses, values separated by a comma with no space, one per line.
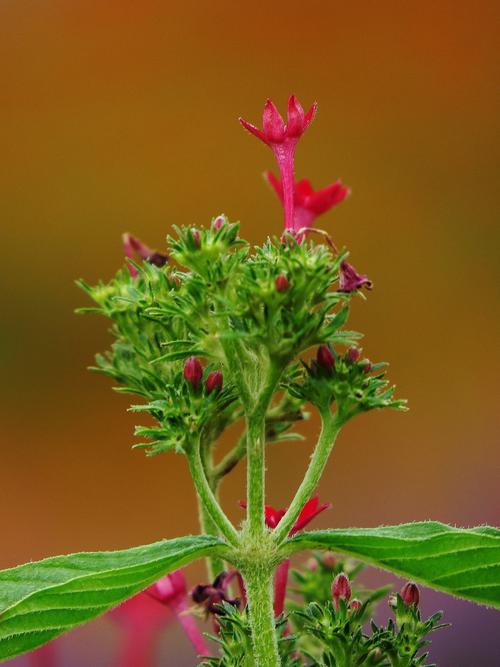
(258,584)
(208,498)
(330,428)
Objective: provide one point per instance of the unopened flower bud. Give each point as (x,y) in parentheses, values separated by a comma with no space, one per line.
(214,382)
(355,604)
(328,560)
(367,367)
(193,371)
(282,283)
(353,354)
(312,564)
(325,358)
(341,588)
(410,594)
(196,237)
(218,222)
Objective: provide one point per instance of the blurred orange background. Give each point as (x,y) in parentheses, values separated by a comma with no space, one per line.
(121,116)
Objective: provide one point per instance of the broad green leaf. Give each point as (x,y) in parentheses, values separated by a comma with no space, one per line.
(41,600)
(462,561)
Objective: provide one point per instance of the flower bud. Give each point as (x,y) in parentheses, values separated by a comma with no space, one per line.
(196,237)
(325,358)
(355,604)
(282,283)
(410,594)
(218,222)
(367,367)
(341,588)
(328,560)
(353,354)
(214,382)
(312,564)
(193,371)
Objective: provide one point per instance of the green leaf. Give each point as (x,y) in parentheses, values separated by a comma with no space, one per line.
(462,561)
(39,601)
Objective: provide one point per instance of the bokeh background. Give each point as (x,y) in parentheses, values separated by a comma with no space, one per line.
(121,116)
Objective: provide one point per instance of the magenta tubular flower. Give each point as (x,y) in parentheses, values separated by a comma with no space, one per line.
(193,372)
(282,139)
(146,615)
(45,656)
(309,204)
(350,280)
(133,247)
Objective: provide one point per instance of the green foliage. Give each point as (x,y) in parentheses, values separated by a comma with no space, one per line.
(463,562)
(234,639)
(341,641)
(39,601)
(222,303)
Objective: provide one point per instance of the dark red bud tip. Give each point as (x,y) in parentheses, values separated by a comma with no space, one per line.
(341,588)
(193,371)
(214,382)
(355,604)
(353,354)
(196,237)
(325,358)
(367,367)
(282,283)
(410,594)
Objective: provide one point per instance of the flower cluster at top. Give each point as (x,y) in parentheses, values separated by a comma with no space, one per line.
(198,326)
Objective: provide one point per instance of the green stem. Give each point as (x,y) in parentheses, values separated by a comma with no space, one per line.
(258,585)
(207,497)
(215,564)
(231,459)
(256,442)
(330,428)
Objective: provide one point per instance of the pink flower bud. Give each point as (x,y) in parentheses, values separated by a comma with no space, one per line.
(196,237)
(218,222)
(367,367)
(355,604)
(193,371)
(312,564)
(328,560)
(353,354)
(214,382)
(325,358)
(341,589)
(282,283)
(410,594)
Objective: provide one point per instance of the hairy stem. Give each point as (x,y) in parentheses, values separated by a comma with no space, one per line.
(256,445)
(207,497)
(215,564)
(258,584)
(331,426)
(231,459)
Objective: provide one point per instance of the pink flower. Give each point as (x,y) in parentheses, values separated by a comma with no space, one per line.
(309,204)
(132,246)
(410,594)
(350,280)
(282,139)
(143,619)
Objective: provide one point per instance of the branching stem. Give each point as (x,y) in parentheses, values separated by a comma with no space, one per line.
(331,425)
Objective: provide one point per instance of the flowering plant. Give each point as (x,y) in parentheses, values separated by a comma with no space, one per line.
(210,333)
